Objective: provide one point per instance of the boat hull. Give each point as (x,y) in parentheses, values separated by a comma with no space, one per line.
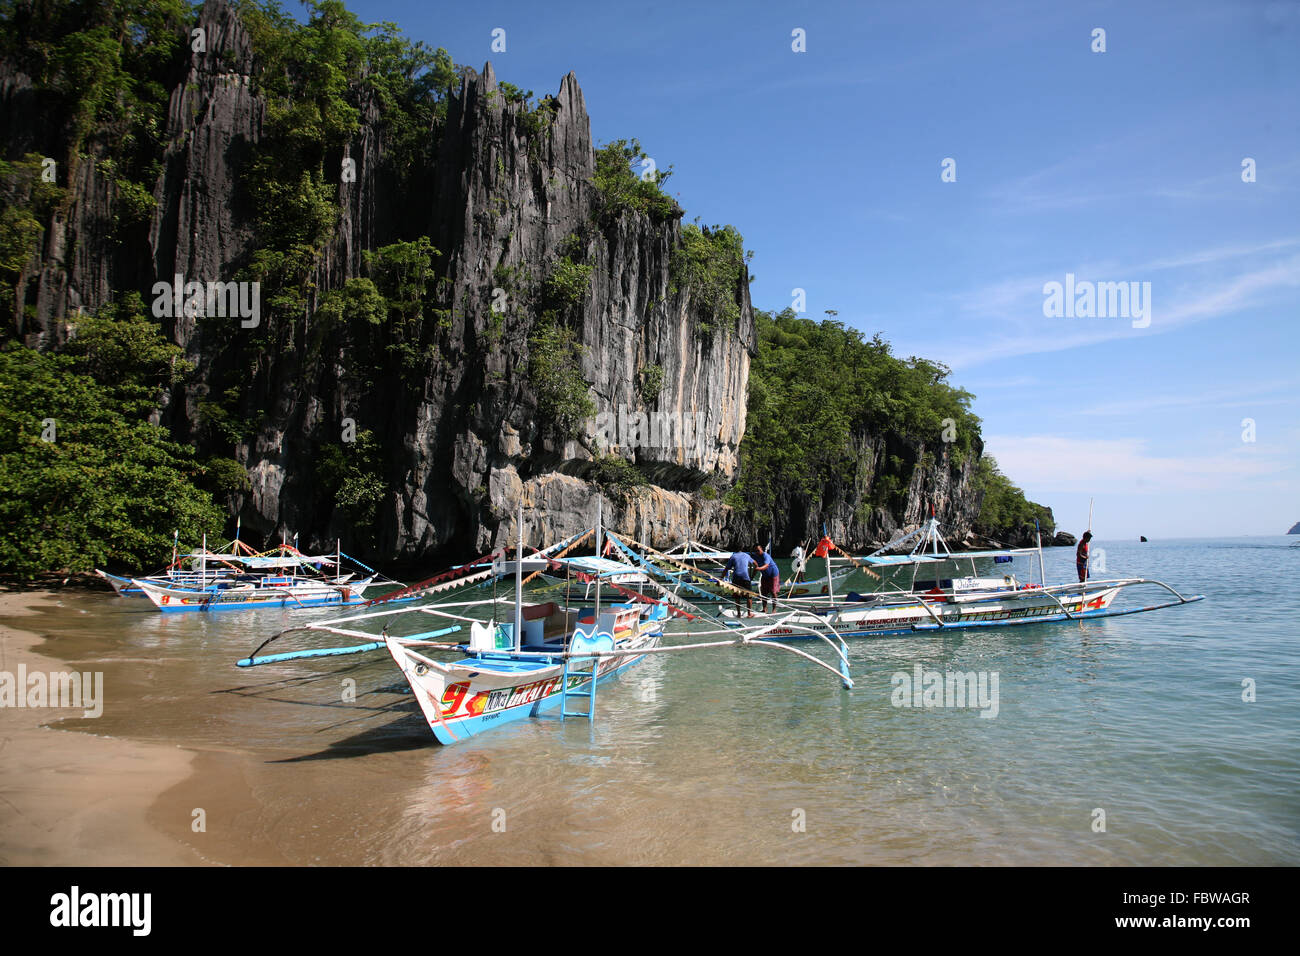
(1029,606)
(486,691)
(179,600)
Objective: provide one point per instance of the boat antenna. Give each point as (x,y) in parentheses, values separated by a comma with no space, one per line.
(1090,500)
(1038,535)
(519,581)
(600,515)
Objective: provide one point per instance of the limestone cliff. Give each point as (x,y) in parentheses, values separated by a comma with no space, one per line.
(503,197)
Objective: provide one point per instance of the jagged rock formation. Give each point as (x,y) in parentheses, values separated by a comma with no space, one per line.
(462,443)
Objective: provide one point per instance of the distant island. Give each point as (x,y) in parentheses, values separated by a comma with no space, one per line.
(1295,528)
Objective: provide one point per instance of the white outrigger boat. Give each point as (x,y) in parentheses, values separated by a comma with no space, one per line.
(240,580)
(936,603)
(244,591)
(546,655)
(183,572)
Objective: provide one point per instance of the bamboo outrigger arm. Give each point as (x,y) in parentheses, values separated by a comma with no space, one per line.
(743,640)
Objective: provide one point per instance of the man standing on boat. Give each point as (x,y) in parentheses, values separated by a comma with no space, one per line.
(741,567)
(1081,556)
(769,581)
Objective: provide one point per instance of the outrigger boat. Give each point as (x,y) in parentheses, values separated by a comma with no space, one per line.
(546,656)
(177,574)
(286,578)
(934,603)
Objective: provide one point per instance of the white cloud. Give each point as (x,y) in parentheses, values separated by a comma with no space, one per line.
(1015,305)
(1051,463)
(1245,395)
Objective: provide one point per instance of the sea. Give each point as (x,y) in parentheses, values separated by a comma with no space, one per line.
(1169,738)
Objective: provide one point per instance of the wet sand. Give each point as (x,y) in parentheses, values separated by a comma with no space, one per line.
(70,798)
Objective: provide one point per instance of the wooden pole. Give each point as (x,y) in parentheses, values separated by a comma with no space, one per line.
(600,516)
(519,582)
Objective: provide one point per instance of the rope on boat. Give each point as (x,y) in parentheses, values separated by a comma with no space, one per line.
(543,553)
(636,561)
(645,565)
(856,563)
(430,582)
(626,592)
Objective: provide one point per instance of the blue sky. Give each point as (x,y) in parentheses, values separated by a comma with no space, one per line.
(1122,166)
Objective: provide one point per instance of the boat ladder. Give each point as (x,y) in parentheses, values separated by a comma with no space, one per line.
(582,668)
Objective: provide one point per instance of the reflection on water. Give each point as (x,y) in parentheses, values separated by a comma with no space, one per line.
(716,756)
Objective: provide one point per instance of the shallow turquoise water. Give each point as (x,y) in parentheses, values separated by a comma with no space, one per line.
(719,756)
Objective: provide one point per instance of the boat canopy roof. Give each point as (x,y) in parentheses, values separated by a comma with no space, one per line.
(887,560)
(605,567)
(266,561)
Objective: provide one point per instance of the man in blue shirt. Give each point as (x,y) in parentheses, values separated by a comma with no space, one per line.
(741,566)
(770,583)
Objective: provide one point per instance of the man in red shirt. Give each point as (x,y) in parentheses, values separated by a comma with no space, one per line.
(1081,557)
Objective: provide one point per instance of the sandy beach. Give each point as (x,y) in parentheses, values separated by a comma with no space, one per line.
(71,798)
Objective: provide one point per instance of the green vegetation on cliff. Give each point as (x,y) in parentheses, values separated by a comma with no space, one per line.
(555,372)
(318,78)
(711,263)
(85,477)
(815,385)
(1004,510)
(816,388)
(626,184)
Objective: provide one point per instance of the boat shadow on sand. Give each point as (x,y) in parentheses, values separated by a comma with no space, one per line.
(406,732)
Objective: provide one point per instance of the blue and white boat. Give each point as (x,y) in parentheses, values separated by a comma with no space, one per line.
(244,591)
(946,600)
(240,580)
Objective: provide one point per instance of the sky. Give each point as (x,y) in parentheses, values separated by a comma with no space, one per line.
(1068,165)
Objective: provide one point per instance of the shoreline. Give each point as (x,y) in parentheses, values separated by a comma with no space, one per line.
(70,798)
